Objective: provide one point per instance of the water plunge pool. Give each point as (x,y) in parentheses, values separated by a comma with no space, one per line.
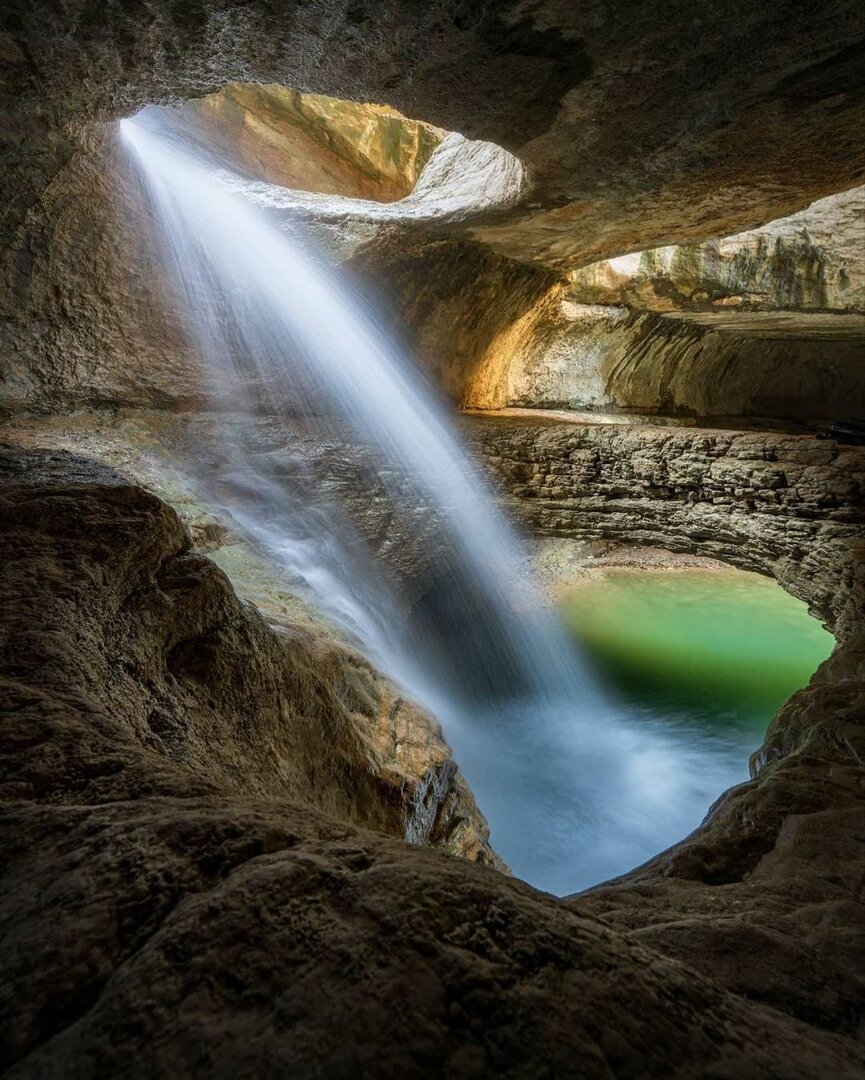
(707,655)
(693,664)
(718,650)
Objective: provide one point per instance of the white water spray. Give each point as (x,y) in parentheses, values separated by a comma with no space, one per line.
(574,792)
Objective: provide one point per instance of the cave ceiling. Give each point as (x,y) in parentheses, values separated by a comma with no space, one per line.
(639,124)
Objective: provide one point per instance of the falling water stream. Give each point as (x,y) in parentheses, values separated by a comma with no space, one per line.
(576,787)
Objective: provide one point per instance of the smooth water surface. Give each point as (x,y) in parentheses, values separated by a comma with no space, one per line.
(717,652)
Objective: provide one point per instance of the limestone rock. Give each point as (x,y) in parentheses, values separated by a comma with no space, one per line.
(764,895)
(638,131)
(813,260)
(785,365)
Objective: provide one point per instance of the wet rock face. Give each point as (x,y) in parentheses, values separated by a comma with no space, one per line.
(171,905)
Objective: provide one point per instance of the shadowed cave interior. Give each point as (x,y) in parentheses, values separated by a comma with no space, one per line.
(432,472)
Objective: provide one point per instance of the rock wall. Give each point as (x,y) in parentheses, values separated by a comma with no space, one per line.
(761,895)
(813,260)
(163,655)
(786,365)
(460,309)
(752,336)
(791,506)
(90,323)
(97,292)
(765,324)
(188,884)
(580,98)
(627,150)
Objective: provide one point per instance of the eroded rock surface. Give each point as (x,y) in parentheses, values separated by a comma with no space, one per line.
(786,505)
(189,884)
(168,659)
(765,324)
(758,364)
(810,261)
(633,126)
(163,914)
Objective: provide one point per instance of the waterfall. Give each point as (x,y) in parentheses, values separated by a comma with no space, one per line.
(574,791)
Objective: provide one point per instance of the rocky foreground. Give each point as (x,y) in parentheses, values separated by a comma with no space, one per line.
(199,879)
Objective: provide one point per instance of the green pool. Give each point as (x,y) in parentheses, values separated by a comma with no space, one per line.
(724,648)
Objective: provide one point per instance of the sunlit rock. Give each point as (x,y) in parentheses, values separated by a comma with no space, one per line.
(810,261)
(310,142)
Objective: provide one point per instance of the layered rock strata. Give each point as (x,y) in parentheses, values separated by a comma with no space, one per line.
(765,895)
(763,324)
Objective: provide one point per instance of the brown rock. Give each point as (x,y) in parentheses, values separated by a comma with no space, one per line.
(157,920)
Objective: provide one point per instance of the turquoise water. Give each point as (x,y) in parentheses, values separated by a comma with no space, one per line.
(696,663)
(714,651)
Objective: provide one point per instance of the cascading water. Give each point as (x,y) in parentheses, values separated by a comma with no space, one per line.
(575,792)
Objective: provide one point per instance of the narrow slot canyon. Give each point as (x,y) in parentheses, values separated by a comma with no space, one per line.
(433,591)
